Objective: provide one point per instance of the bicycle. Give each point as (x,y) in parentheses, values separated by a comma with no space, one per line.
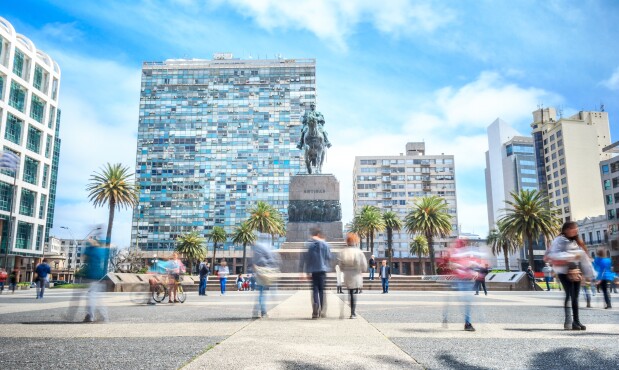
(161,291)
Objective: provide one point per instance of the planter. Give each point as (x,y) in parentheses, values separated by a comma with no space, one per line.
(24,287)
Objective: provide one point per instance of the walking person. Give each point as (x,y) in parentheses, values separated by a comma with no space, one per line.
(570,261)
(463,267)
(547,270)
(13,281)
(385,275)
(42,270)
(480,279)
(96,258)
(174,268)
(265,266)
(353,265)
(316,262)
(604,275)
(239,282)
(531,277)
(3,277)
(338,278)
(372,263)
(203,271)
(223,276)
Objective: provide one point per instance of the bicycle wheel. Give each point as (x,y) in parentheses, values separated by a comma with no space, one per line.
(180,294)
(160,293)
(139,294)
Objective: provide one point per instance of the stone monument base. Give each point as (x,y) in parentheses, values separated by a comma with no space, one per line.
(300,231)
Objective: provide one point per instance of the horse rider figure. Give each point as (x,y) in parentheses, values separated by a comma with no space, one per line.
(313,114)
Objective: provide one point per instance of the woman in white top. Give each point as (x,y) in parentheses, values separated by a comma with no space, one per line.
(223,276)
(353,263)
(568,252)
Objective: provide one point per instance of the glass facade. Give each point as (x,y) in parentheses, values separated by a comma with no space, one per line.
(34,140)
(17,98)
(13,130)
(37,107)
(214,137)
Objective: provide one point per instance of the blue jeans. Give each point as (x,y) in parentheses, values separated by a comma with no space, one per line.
(222,285)
(547,280)
(40,287)
(372,271)
(261,305)
(202,288)
(465,286)
(385,285)
(319,305)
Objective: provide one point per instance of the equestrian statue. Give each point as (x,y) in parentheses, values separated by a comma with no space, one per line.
(314,140)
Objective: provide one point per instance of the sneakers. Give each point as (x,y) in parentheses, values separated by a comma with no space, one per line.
(468,327)
(578,326)
(353,316)
(89,318)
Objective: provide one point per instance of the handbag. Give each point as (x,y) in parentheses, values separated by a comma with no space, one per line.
(574,274)
(265,276)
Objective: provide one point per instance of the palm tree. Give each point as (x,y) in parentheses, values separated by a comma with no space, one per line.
(419,247)
(191,245)
(527,216)
(392,223)
(371,221)
(499,241)
(244,234)
(217,235)
(264,218)
(112,186)
(357,228)
(429,218)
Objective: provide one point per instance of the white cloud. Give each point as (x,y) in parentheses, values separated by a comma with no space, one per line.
(453,120)
(64,32)
(333,20)
(613,81)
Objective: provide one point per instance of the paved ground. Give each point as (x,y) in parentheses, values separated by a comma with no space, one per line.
(515,330)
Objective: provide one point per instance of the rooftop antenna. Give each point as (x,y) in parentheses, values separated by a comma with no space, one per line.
(560,112)
(601,106)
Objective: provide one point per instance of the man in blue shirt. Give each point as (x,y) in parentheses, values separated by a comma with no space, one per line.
(317,261)
(385,275)
(42,271)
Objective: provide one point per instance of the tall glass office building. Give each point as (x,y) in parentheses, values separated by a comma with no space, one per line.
(29,116)
(214,137)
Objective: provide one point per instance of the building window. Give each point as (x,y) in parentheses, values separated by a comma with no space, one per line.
(45,175)
(604,169)
(42,205)
(34,140)
(37,107)
(599,235)
(31,169)
(17,97)
(1,86)
(18,63)
(13,129)
(6,196)
(24,235)
(38,78)
(607,184)
(611,214)
(26,206)
(39,239)
(52,116)
(566,200)
(559,134)
(614,167)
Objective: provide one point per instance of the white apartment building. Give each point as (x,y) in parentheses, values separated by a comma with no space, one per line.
(392,183)
(568,154)
(29,86)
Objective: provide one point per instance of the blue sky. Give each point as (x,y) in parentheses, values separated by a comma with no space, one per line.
(387,72)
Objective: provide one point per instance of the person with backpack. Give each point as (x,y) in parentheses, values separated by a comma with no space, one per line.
(265,266)
(316,263)
(203,271)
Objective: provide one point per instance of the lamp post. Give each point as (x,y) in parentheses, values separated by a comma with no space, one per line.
(76,244)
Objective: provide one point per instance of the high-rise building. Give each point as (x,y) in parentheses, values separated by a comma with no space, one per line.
(510,167)
(392,183)
(609,170)
(568,153)
(214,137)
(29,85)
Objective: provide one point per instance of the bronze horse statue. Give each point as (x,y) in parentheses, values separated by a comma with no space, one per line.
(314,146)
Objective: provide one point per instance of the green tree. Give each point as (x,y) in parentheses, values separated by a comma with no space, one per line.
(419,247)
(528,216)
(217,236)
(392,223)
(429,218)
(191,246)
(500,242)
(244,234)
(112,186)
(357,228)
(266,219)
(372,222)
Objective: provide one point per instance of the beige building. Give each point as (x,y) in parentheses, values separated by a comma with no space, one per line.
(392,183)
(568,153)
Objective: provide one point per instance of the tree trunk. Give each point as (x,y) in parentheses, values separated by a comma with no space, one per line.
(367,242)
(430,239)
(244,258)
(389,242)
(214,253)
(506,259)
(530,240)
(110,223)
(372,243)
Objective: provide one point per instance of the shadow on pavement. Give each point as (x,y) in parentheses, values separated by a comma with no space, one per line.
(392,362)
(573,358)
(293,365)
(570,332)
(452,363)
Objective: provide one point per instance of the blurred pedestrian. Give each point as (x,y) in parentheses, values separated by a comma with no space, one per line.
(353,265)
(175,268)
(605,275)
(587,288)
(385,275)
(372,263)
(547,270)
(13,281)
(252,282)
(42,270)
(96,259)
(338,279)
(239,282)
(531,277)
(571,262)
(203,271)
(316,262)
(223,273)
(480,279)
(3,278)
(266,267)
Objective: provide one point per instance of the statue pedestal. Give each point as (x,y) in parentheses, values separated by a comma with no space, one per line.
(314,202)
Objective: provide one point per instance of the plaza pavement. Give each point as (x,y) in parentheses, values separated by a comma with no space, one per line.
(515,330)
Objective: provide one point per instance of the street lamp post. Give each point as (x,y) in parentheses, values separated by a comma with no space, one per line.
(76,244)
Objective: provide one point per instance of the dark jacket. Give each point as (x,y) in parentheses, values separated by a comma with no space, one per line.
(372,263)
(388,272)
(42,270)
(317,258)
(203,271)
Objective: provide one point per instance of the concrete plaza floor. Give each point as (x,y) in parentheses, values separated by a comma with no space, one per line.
(515,330)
